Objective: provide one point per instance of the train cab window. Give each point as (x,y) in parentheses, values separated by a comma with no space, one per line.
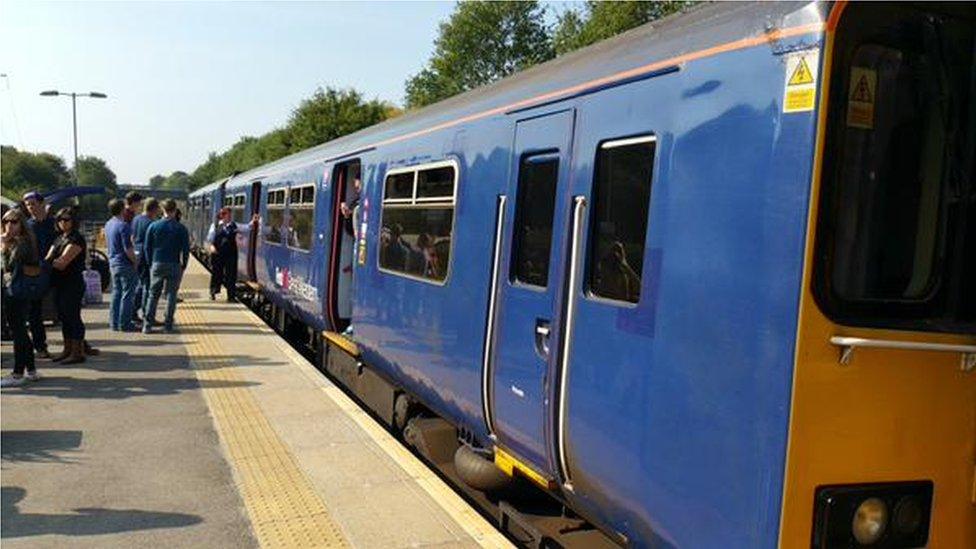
(536,200)
(301,213)
(418,221)
(897,198)
(618,222)
(276,217)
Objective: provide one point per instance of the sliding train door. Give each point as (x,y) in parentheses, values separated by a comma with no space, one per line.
(528,279)
(254,227)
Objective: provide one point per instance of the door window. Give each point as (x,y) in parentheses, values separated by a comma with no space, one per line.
(536,200)
(618,227)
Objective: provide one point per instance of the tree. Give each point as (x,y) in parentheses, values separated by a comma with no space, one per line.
(92,171)
(22,171)
(601,20)
(481,42)
(156,181)
(332,113)
(177,181)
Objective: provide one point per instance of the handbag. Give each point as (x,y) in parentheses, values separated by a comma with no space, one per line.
(32,283)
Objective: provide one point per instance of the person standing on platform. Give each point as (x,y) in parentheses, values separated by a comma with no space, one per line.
(167,248)
(140,224)
(122,264)
(45,232)
(133,205)
(223,252)
(19,252)
(67,257)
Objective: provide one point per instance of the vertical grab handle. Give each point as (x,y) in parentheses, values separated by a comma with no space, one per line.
(486,361)
(579,207)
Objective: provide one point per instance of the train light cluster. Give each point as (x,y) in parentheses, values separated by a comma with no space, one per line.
(890,515)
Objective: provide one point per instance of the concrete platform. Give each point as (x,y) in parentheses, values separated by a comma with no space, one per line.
(219,435)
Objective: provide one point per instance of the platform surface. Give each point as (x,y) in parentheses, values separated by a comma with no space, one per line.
(219,435)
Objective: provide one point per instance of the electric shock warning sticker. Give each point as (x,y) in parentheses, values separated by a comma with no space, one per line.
(800,87)
(860,98)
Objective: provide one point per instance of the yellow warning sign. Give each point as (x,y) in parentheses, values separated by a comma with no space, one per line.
(801,74)
(861,98)
(800,85)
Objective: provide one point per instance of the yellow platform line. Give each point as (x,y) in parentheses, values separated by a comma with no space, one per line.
(284,509)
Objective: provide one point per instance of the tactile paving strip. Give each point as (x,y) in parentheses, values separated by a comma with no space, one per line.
(284,509)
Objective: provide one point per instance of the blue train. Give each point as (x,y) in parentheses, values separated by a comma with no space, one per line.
(705,283)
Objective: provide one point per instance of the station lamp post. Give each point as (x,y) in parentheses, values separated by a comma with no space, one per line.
(74,116)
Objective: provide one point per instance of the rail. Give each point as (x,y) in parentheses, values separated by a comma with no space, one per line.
(849,344)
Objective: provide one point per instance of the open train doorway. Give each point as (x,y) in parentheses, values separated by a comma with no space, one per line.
(254,225)
(345,211)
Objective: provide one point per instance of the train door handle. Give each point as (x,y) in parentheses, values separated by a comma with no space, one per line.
(542,337)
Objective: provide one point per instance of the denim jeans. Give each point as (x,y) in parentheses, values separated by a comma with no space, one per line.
(159,274)
(124,280)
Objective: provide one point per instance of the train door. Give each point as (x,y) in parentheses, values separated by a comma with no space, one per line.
(254,227)
(345,209)
(528,287)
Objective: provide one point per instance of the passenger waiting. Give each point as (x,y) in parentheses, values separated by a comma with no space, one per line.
(42,225)
(19,254)
(67,257)
(167,247)
(140,224)
(122,263)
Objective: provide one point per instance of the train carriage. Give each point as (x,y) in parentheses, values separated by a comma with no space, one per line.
(708,283)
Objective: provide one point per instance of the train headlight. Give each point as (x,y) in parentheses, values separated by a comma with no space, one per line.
(894,515)
(870,521)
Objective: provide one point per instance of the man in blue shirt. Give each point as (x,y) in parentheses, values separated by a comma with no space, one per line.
(167,248)
(139,226)
(45,231)
(122,263)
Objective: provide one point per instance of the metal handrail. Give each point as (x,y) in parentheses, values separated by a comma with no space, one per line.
(486,370)
(849,344)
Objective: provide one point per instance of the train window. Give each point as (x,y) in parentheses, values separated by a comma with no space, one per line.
(276,216)
(418,221)
(301,213)
(897,197)
(399,186)
(618,223)
(536,200)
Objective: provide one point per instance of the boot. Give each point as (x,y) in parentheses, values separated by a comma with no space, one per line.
(89,350)
(77,352)
(65,353)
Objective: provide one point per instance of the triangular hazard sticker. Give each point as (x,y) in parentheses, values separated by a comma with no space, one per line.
(801,74)
(862,93)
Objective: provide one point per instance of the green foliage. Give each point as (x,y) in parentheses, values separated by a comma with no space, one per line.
(177,181)
(94,172)
(22,171)
(481,42)
(601,20)
(330,113)
(156,181)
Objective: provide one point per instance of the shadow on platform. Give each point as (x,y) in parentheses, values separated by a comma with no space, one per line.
(84,521)
(38,446)
(116,388)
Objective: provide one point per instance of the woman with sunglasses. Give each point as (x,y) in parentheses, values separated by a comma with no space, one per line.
(19,252)
(67,257)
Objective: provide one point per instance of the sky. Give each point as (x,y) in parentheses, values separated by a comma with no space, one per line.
(187,78)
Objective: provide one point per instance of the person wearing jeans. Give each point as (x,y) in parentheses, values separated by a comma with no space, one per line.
(122,263)
(167,246)
(45,232)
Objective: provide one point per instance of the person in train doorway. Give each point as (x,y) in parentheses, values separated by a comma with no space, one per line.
(167,248)
(140,225)
(122,264)
(45,232)
(348,207)
(222,239)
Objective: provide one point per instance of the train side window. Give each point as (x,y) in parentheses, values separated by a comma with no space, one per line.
(618,223)
(276,216)
(301,213)
(418,221)
(534,206)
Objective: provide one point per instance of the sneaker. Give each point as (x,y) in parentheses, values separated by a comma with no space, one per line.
(12,381)
(42,353)
(33,375)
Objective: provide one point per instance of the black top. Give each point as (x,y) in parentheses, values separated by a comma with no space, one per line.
(46,233)
(77,265)
(225,239)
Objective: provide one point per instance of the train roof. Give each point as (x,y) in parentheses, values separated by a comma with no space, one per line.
(700,28)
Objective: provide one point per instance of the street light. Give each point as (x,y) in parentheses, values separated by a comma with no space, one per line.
(74,115)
